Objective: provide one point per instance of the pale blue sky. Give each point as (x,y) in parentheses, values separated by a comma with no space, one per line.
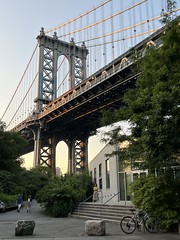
(20,23)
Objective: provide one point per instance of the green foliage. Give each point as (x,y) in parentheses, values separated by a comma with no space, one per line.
(7,182)
(31,181)
(13,178)
(167,17)
(6,198)
(25,182)
(42,171)
(56,198)
(2,126)
(160,196)
(61,194)
(12,145)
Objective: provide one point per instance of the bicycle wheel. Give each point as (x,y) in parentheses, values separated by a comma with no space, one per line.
(151,224)
(128,225)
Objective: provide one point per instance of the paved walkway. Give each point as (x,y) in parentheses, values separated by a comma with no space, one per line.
(48,228)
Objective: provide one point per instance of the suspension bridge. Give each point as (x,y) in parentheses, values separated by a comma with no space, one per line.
(76,70)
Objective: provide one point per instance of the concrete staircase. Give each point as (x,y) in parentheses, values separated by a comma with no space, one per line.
(108,213)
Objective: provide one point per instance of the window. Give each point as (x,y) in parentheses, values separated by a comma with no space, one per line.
(100,170)
(107,174)
(100,176)
(94,175)
(100,183)
(135,176)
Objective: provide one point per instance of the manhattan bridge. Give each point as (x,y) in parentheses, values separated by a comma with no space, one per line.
(78,69)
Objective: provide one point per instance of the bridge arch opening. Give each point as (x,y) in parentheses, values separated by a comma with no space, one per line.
(27,160)
(61,158)
(63,70)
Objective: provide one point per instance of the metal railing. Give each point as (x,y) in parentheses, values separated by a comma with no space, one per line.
(99,191)
(84,201)
(101,203)
(107,202)
(111,198)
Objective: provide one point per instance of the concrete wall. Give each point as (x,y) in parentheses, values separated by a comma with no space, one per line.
(106,192)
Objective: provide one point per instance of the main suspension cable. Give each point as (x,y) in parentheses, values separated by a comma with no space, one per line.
(77,18)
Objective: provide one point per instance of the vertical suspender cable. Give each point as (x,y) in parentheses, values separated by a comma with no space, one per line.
(104,39)
(152,14)
(87,37)
(122,26)
(119,36)
(141,19)
(94,34)
(81,33)
(147,13)
(19,83)
(134,21)
(131,30)
(112,30)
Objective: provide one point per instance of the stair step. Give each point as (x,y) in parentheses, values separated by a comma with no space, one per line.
(96,218)
(103,211)
(109,213)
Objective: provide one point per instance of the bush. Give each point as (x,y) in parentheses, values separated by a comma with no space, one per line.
(61,195)
(60,208)
(160,196)
(7,182)
(8,198)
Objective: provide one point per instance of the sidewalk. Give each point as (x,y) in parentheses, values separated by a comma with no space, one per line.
(48,228)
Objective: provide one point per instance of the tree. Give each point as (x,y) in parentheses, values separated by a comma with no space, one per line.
(153,111)
(160,196)
(31,181)
(168,16)
(153,107)
(2,125)
(12,145)
(7,183)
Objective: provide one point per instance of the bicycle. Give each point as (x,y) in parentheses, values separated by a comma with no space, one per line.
(139,219)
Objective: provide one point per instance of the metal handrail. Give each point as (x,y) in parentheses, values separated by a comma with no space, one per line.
(88,199)
(111,198)
(102,204)
(107,202)
(84,201)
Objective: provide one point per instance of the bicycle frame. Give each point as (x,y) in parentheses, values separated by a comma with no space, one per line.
(139,219)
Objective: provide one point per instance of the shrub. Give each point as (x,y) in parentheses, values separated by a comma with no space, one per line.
(160,196)
(61,194)
(9,200)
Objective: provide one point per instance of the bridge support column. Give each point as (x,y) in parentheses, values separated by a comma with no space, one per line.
(71,168)
(77,155)
(48,154)
(44,150)
(37,147)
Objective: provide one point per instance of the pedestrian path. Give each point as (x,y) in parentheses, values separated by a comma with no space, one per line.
(48,228)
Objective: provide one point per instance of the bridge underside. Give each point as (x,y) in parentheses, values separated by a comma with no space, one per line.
(75,121)
(82,115)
